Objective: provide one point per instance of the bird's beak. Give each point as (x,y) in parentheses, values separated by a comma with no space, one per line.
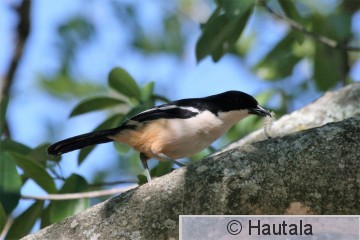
(259,111)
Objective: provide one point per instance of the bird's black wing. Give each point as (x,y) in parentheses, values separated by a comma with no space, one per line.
(165,111)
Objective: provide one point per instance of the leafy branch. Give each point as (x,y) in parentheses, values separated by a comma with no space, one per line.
(298,27)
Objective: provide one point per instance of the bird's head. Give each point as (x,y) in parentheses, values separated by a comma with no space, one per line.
(239,101)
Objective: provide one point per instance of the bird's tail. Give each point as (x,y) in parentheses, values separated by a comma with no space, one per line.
(82,141)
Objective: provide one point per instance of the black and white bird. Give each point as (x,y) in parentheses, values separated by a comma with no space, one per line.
(174,130)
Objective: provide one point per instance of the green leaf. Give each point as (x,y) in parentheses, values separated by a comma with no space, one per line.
(111,122)
(164,167)
(141,179)
(264,97)
(64,86)
(3,107)
(93,104)
(211,20)
(236,9)
(161,98)
(220,35)
(2,217)
(280,61)
(336,26)
(40,154)
(84,153)
(329,63)
(147,92)
(10,183)
(35,171)
(339,26)
(24,223)
(290,10)
(123,83)
(45,217)
(203,154)
(121,148)
(8,145)
(328,67)
(59,210)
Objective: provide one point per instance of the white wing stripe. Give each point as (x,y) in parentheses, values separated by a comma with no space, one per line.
(191,109)
(168,107)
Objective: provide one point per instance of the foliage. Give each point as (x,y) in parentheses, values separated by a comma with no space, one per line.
(36,165)
(223,28)
(331,64)
(225,32)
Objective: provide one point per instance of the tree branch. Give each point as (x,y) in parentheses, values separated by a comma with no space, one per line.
(9,222)
(68,196)
(298,27)
(313,171)
(23,30)
(101,184)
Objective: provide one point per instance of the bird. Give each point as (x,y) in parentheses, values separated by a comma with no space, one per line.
(174,130)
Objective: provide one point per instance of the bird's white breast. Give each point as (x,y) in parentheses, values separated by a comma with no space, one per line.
(185,137)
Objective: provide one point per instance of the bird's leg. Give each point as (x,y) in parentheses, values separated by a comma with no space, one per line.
(144,159)
(171,160)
